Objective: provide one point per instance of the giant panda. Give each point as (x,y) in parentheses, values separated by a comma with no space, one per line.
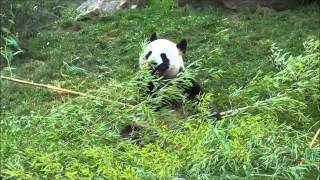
(167,61)
(164,59)
(167,56)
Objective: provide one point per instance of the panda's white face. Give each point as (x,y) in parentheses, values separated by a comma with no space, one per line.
(163,50)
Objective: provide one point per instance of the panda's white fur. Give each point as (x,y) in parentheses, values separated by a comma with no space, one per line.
(169,48)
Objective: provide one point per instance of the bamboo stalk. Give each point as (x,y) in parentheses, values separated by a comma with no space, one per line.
(314,138)
(67,91)
(54,88)
(63,90)
(234,111)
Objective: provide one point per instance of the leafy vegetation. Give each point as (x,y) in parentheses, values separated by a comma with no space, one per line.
(11,47)
(267,65)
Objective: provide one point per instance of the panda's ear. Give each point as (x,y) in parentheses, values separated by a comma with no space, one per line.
(153,37)
(182,45)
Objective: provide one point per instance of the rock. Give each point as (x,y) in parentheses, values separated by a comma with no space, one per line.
(92,8)
(132,4)
(200,3)
(244,4)
(252,4)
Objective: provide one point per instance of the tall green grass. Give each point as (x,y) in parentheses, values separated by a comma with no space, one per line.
(80,139)
(9,47)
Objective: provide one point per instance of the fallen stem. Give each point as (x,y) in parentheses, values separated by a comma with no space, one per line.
(314,138)
(234,111)
(62,90)
(67,91)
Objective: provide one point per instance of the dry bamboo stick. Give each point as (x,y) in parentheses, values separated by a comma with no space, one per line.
(59,89)
(233,111)
(67,91)
(54,88)
(314,138)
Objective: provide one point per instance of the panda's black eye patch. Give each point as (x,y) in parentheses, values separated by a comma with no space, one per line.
(164,58)
(148,54)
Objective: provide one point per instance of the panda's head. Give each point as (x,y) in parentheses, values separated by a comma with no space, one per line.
(165,54)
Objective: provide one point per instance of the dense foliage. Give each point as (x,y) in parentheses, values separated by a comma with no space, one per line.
(263,67)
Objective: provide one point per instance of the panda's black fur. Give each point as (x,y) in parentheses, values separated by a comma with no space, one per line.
(168,69)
